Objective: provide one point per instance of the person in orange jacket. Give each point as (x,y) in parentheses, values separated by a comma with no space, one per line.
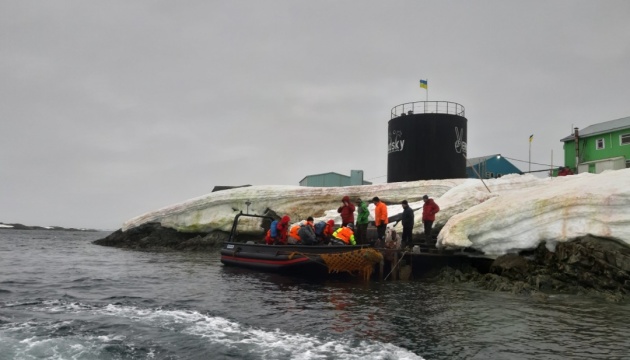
(429,210)
(380,219)
(344,235)
(294,238)
(294,234)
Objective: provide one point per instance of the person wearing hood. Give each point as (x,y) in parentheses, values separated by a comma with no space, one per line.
(324,230)
(346,211)
(362,222)
(429,210)
(277,234)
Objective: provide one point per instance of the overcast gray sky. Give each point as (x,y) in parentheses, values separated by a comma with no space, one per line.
(110,109)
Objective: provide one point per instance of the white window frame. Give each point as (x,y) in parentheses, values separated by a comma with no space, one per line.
(489,175)
(603,143)
(626,137)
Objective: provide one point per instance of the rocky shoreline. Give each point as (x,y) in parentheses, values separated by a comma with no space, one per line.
(586,266)
(153,236)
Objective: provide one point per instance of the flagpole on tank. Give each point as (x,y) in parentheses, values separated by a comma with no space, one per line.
(424,84)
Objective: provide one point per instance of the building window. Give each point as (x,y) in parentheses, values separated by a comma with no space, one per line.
(489,175)
(599,144)
(624,139)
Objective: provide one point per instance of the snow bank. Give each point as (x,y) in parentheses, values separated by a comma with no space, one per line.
(216,211)
(518,211)
(551,210)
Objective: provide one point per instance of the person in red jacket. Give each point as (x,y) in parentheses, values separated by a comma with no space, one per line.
(279,236)
(564,171)
(429,210)
(346,211)
(328,231)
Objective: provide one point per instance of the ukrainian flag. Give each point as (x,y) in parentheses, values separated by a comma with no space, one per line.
(424,84)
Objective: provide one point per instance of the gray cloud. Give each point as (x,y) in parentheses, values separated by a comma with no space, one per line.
(109,110)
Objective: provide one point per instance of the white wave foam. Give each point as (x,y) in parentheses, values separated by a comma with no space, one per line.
(259,343)
(263,343)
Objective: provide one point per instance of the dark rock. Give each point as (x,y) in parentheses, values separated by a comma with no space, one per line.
(152,236)
(585,265)
(511,265)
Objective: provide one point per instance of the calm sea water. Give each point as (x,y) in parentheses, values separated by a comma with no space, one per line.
(63,298)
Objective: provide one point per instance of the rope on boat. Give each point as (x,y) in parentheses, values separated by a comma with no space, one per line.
(395,266)
(314,258)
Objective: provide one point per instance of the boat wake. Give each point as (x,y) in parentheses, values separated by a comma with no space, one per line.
(60,329)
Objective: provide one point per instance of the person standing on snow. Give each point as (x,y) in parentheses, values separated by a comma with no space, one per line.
(429,210)
(564,171)
(362,222)
(407,224)
(346,211)
(380,219)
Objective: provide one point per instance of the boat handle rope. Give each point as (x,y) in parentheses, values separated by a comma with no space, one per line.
(292,254)
(395,266)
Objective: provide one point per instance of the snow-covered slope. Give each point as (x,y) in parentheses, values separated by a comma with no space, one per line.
(216,211)
(513,212)
(552,210)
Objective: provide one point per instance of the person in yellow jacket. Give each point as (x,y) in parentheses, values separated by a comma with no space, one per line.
(344,235)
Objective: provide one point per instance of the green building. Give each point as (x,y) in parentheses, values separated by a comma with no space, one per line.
(603,146)
(333,179)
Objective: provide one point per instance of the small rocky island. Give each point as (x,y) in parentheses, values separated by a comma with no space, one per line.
(17,226)
(566,235)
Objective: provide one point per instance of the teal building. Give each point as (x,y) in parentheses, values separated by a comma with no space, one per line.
(333,179)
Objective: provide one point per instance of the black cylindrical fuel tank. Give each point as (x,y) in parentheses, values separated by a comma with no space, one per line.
(426,146)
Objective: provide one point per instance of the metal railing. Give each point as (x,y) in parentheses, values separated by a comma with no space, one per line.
(428,107)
